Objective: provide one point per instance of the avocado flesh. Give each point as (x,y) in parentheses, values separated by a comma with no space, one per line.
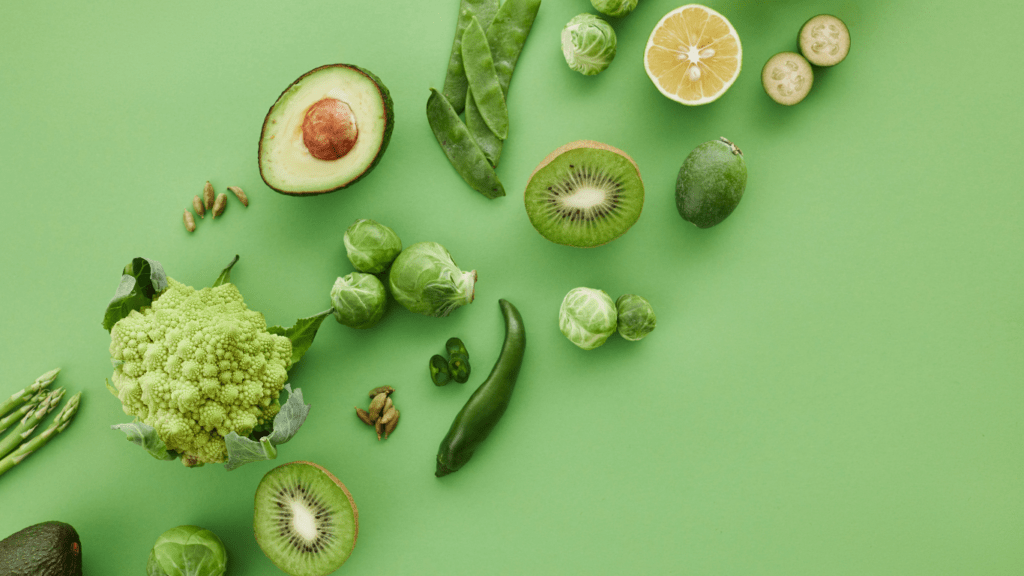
(287,166)
(47,549)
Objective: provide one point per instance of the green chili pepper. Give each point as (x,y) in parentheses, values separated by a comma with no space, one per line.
(455,346)
(458,367)
(439,373)
(460,148)
(506,37)
(483,79)
(486,406)
(455,82)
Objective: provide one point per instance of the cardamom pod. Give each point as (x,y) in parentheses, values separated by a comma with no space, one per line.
(388,404)
(240,194)
(377,405)
(389,415)
(380,428)
(364,416)
(208,195)
(379,389)
(218,206)
(197,203)
(390,426)
(190,222)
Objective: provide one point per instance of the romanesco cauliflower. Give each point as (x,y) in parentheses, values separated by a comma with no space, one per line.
(197,365)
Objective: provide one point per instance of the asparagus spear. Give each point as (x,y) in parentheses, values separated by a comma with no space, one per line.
(20,396)
(9,420)
(60,422)
(30,421)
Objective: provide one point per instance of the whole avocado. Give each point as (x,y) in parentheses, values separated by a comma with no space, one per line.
(46,549)
(711,183)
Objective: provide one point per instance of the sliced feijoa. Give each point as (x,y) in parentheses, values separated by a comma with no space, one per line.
(787,78)
(711,182)
(306,521)
(585,194)
(326,131)
(824,40)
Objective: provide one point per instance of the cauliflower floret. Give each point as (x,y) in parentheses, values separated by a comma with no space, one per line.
(198,365)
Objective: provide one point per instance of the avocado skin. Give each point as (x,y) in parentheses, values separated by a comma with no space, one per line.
(46,549)
(389,126)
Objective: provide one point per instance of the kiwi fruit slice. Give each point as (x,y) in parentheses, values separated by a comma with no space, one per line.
(824,40)
(787,78)
(306,521)
(585,194)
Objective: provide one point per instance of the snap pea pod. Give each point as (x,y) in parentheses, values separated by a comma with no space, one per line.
(488,403)
(455,82)
(460,148)
(506,37)
(483,79)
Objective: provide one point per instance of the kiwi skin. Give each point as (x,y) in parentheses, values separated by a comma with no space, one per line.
(333,478)
(592,144)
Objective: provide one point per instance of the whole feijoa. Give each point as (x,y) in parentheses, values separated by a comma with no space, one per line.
(711,183)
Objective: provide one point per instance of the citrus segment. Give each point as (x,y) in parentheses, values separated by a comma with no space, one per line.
(693,55)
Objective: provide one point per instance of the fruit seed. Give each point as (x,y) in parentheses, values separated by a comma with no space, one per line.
(220,204)
(197,203)
(377,405)
(364,416)
(190,222)
(240,194)
(390,426)
(208,195)
(379,389)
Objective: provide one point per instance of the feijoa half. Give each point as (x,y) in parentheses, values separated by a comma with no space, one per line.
(787,78)
(711,182)
(824,40)
(326,131)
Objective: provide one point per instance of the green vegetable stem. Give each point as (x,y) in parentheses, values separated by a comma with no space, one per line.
(483,79)
(455,82)
(59,424)
(29,422)
(460,148)
(23,395)
(488,403)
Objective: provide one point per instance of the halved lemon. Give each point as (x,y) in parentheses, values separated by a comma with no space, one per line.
(693,55)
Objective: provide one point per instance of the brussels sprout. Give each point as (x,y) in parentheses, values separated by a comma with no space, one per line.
(187,551)
(636,316)
(426,280)
(587,317)
(588,44)
(358,300)
(371,246)
(615,8)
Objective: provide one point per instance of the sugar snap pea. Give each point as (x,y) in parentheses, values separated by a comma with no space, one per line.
(455,82)
(483,79)
(488,403)
(460,148)
(506,37)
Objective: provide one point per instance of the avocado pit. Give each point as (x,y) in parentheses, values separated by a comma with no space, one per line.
(329,129)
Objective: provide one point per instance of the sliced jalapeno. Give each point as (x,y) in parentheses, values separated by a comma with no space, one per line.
(455,346)
(458,367)
(439,373)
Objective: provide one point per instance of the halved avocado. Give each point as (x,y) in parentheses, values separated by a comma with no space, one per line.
(326,131)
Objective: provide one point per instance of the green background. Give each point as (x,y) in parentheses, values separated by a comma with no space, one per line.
(834,386)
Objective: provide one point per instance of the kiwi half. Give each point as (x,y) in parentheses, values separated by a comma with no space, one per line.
(584,194)
(306,521)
